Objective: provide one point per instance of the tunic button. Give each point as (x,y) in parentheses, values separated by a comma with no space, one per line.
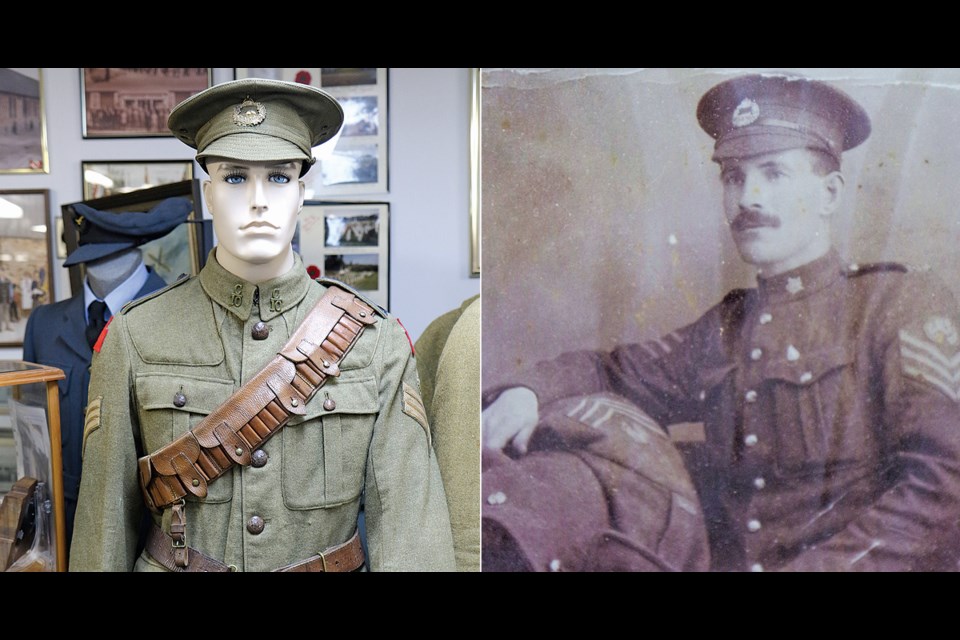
(497,498)
(751,396)
(751,440)
(255,525)
(329,404)
(179,399)
(753,526)
(806,377)
(759,483)
(756,567)
(260,331)
(765,318)
(555,565)
(756,354)
(259,458)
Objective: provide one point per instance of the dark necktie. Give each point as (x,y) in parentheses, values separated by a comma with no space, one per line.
(95,323)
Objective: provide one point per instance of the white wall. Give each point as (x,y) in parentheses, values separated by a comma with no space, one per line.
(429,113)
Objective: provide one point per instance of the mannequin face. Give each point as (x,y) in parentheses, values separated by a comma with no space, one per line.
(254,207)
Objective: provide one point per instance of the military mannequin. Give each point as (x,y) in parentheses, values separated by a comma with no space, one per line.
(448,360)
(169,364)
(63,334)
(828,393)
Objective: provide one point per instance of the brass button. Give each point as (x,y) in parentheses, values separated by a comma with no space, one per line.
(179,399)
(363,314)
(255,525)
(260,331)
(259,458)
(294,402)
(238,451)
(196,482)
(329,404)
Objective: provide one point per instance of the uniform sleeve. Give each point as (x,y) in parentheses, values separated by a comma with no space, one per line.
(663,376)
(408,524)
(455,422)
(912,525)
(110,505)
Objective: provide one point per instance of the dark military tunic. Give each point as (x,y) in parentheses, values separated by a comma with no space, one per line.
(830,401)
(169,360)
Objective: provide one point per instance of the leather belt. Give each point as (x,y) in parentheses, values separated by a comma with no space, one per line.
(231,432)
(347,556)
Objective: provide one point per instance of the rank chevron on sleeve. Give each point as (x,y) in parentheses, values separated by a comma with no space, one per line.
(923,359)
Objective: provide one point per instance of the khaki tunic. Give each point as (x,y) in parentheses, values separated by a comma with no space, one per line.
(830,401)
(448,359)
(195,338)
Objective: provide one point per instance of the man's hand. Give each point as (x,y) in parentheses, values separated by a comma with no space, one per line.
(512,418)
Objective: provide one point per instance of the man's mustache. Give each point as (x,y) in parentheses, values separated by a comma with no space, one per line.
(751,219)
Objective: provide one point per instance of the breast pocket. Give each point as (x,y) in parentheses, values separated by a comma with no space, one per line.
(325,451)
(819,415)
(162,419)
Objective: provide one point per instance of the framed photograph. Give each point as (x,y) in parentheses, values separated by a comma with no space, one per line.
(348,242)
(22,122)
(658,223)
(356,163)
(103,178)
(25,262)
(475,172)
(135,102)
(182,251)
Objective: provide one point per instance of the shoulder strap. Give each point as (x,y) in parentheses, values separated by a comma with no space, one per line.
(259,408)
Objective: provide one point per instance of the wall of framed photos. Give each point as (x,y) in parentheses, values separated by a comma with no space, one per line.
(427,193)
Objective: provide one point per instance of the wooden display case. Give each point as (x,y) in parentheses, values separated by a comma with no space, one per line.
(32,525)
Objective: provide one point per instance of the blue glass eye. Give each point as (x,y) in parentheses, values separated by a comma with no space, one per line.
(279,178)
(234,178)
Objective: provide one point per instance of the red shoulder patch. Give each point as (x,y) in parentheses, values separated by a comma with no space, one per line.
(103,335)
(412,352)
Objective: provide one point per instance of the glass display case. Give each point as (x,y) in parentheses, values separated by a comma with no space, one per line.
(32,526)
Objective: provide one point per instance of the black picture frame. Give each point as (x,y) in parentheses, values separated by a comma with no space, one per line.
(196,232)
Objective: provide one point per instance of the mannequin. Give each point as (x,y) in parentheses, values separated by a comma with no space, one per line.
(291,501)
(55,334)
(104,275)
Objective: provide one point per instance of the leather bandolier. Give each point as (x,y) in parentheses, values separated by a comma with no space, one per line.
(249,417)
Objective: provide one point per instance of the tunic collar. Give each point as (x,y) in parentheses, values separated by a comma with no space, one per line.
(803,281)
(236,295)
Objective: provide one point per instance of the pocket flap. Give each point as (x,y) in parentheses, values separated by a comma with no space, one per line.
(351,396)
(807,368)
(200,395)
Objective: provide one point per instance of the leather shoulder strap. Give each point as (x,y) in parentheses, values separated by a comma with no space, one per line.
(259,408)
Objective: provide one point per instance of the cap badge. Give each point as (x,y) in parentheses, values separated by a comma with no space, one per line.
(746,113)
(249,113)
(940,330)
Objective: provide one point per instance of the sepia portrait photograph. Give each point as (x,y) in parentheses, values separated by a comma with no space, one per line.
(721,328)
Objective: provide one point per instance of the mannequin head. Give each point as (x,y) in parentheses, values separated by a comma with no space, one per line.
(106,274)
(254,207)
(255,139)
